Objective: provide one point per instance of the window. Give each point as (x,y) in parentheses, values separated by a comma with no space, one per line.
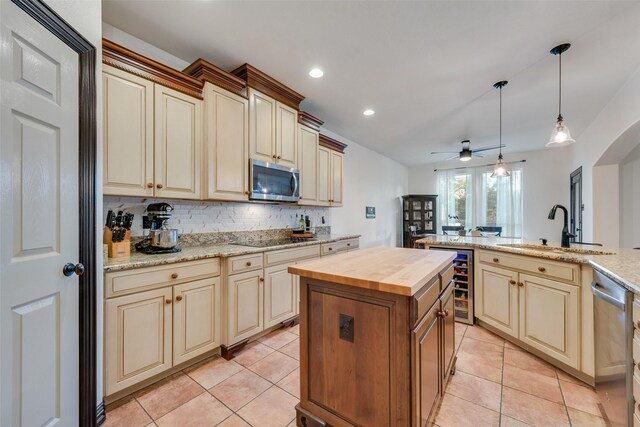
(472,198)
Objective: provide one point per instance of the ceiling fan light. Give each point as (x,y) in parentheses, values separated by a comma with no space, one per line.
(560,136)
(465,155)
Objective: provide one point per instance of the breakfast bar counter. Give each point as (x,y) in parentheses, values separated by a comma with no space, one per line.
(377,341)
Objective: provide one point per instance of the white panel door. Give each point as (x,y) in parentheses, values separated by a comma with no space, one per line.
(280,297)
(39,371)
(496,298)
(196,318)
(178,144)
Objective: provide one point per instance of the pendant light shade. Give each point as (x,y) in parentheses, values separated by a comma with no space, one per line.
(500,169)
(560,136)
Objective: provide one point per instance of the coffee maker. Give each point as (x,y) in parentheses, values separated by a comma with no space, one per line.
(161,239)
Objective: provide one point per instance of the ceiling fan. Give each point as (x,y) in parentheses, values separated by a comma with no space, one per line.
(467,152)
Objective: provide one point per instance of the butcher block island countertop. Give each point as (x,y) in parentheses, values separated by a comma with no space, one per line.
(377,337)
(397,271)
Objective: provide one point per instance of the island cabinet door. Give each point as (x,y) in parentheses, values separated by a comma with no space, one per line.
(280,296)
(496,298)
(448,334)
(549,318)
(138,337)
(426,367)
(196,318)
(245,305)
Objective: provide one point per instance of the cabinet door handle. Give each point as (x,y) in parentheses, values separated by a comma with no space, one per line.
(542,269)
(168,300)
(496,260)
(274,156)
(174,276)
(262,279)
(278,157)
(158,186)
(248,263)
(441,314)
(446,312)
(246,193)
(520,284)
(512,282)
(149,184)
(179,298)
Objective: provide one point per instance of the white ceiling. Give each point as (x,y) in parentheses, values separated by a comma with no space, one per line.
(426,68)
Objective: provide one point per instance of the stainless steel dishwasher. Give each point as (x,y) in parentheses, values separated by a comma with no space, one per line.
(613,353)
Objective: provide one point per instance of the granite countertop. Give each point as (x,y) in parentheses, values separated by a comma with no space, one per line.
(622,265)
(397,271)
(193,253)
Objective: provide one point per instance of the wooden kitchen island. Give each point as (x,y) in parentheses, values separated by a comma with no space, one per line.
(377,338)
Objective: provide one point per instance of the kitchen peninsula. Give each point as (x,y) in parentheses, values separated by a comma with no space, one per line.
(376,337)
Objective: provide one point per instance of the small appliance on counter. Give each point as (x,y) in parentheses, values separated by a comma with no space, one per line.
(161,239)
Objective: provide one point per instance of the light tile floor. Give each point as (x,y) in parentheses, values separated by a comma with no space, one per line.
(496,384)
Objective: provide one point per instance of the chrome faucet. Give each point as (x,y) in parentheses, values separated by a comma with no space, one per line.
(565,226)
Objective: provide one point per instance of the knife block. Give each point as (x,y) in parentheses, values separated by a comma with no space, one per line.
(117,249)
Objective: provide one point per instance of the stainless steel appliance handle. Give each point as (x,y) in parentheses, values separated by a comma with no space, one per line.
(596,290)
(295,184)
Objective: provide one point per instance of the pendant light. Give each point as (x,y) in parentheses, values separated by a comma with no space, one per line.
(560,136)
(500,169)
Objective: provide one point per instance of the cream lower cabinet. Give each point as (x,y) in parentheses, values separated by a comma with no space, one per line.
(196,318)
(280,295)
(226,145)
(540,312)
(246,302)
(138,337)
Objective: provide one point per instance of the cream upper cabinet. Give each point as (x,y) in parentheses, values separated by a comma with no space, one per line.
(226,145)
(496,298)
(138,337)
(308,163)
(336,178)
(280,298)
(127,133)
(196,318)
(262,126)
(324,176)
(273,130)
(549,317)
(286,135)
(245,305)
(178,135)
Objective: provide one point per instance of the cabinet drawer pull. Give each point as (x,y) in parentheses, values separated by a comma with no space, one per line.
(179,298)
(149,184)
(348,244)
(174,276)
(159,186)
(496,260)
(542,269)
(168,300)
(248,263)
(512,282)
(330,249)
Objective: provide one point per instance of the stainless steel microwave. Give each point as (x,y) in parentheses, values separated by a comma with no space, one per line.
(270,181)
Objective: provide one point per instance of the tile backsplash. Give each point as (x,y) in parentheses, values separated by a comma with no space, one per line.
(207,217)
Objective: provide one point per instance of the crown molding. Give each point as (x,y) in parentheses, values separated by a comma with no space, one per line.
(307,119)
(206,71)
(268,85)
(332,144)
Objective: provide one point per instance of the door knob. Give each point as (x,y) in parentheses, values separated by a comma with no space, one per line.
(71,268)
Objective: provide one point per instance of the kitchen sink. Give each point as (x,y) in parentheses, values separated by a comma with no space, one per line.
(556,249)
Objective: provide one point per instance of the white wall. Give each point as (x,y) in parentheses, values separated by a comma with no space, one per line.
(617,117)
(86,17)
(630,200)
(370,179)
(545,183)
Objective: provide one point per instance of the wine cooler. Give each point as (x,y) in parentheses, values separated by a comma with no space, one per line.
(463,286)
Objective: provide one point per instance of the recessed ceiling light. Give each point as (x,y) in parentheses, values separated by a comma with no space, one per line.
(368,112)
(316,73)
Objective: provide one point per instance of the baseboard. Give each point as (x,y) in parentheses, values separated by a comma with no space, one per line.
(101,414)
